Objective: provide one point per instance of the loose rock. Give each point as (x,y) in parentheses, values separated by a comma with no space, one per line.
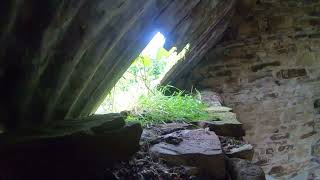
(199,148)
(89,151)
(223,128)
(234,148)
(240,169)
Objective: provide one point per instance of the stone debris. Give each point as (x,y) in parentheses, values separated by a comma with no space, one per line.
(185,153)
(198,148)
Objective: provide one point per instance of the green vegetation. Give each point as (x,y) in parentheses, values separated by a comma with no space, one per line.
(156,107)
(137,90)
(141,77)
(144,74)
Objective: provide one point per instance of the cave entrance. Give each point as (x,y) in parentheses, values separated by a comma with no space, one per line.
(142,77)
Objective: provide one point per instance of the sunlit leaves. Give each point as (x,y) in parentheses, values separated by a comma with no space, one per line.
(162,53)
(146,61)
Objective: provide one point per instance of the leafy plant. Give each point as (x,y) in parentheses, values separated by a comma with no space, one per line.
(156,107)
(142,77)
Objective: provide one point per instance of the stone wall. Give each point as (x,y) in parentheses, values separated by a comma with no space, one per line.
(267,68)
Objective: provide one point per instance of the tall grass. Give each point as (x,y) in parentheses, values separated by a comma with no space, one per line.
(156,107)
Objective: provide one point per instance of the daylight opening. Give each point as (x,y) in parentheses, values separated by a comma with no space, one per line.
(142,77)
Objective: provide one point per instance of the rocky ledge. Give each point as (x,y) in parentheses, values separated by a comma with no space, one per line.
(186,151)
(69,149)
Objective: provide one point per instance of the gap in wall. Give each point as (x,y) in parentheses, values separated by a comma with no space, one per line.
(143,76)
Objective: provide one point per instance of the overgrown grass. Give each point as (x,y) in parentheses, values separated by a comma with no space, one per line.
(156,107)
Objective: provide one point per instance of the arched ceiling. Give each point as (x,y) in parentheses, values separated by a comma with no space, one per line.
(59,59)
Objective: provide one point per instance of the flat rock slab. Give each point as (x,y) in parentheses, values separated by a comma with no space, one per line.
(154,132)
(223,128)
(243,152)
(240,169)
(199,148)
(235,148)
(218,109)
(74,156)
(172,127)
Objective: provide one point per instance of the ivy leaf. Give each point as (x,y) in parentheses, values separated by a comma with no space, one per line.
(162,53)
(146,61)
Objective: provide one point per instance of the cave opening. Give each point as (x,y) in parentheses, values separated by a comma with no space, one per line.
(59,60)
(143,76)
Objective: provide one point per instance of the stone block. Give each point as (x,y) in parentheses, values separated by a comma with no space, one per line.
(279,136)
(261,66)
(78,155)
(221,128)
(316,149)
(243,152)
(307,59)
(198,148)
(277,171)
(240,169)
(291,73)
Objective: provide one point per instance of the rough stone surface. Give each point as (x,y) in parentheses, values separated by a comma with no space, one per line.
(210,98)
(316,149)
(80,155)
(172,127)
(154,132)
(222,128)
(235,148)
(243,152)
(267,69)
(240,169)
(198,148)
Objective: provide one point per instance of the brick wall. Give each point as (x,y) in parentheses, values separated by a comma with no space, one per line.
(267,68)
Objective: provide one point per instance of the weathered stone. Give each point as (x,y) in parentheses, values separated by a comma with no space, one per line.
(316,103)
(224,73)
(154,132)
(278,136)
(291,73)
(269,151)
(218,109)
(172,127)
(277,170)
(210,98)
(240,169)
(307,59)
(316,149)
(258,67)
(72,156)
(307,135)
(285,148)
(233,129)
(235,148)
(276,54)
(149,135)
(243,152)
(199,148)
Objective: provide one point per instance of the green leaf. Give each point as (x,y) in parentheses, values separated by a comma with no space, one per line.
(162,53)
(146,61)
